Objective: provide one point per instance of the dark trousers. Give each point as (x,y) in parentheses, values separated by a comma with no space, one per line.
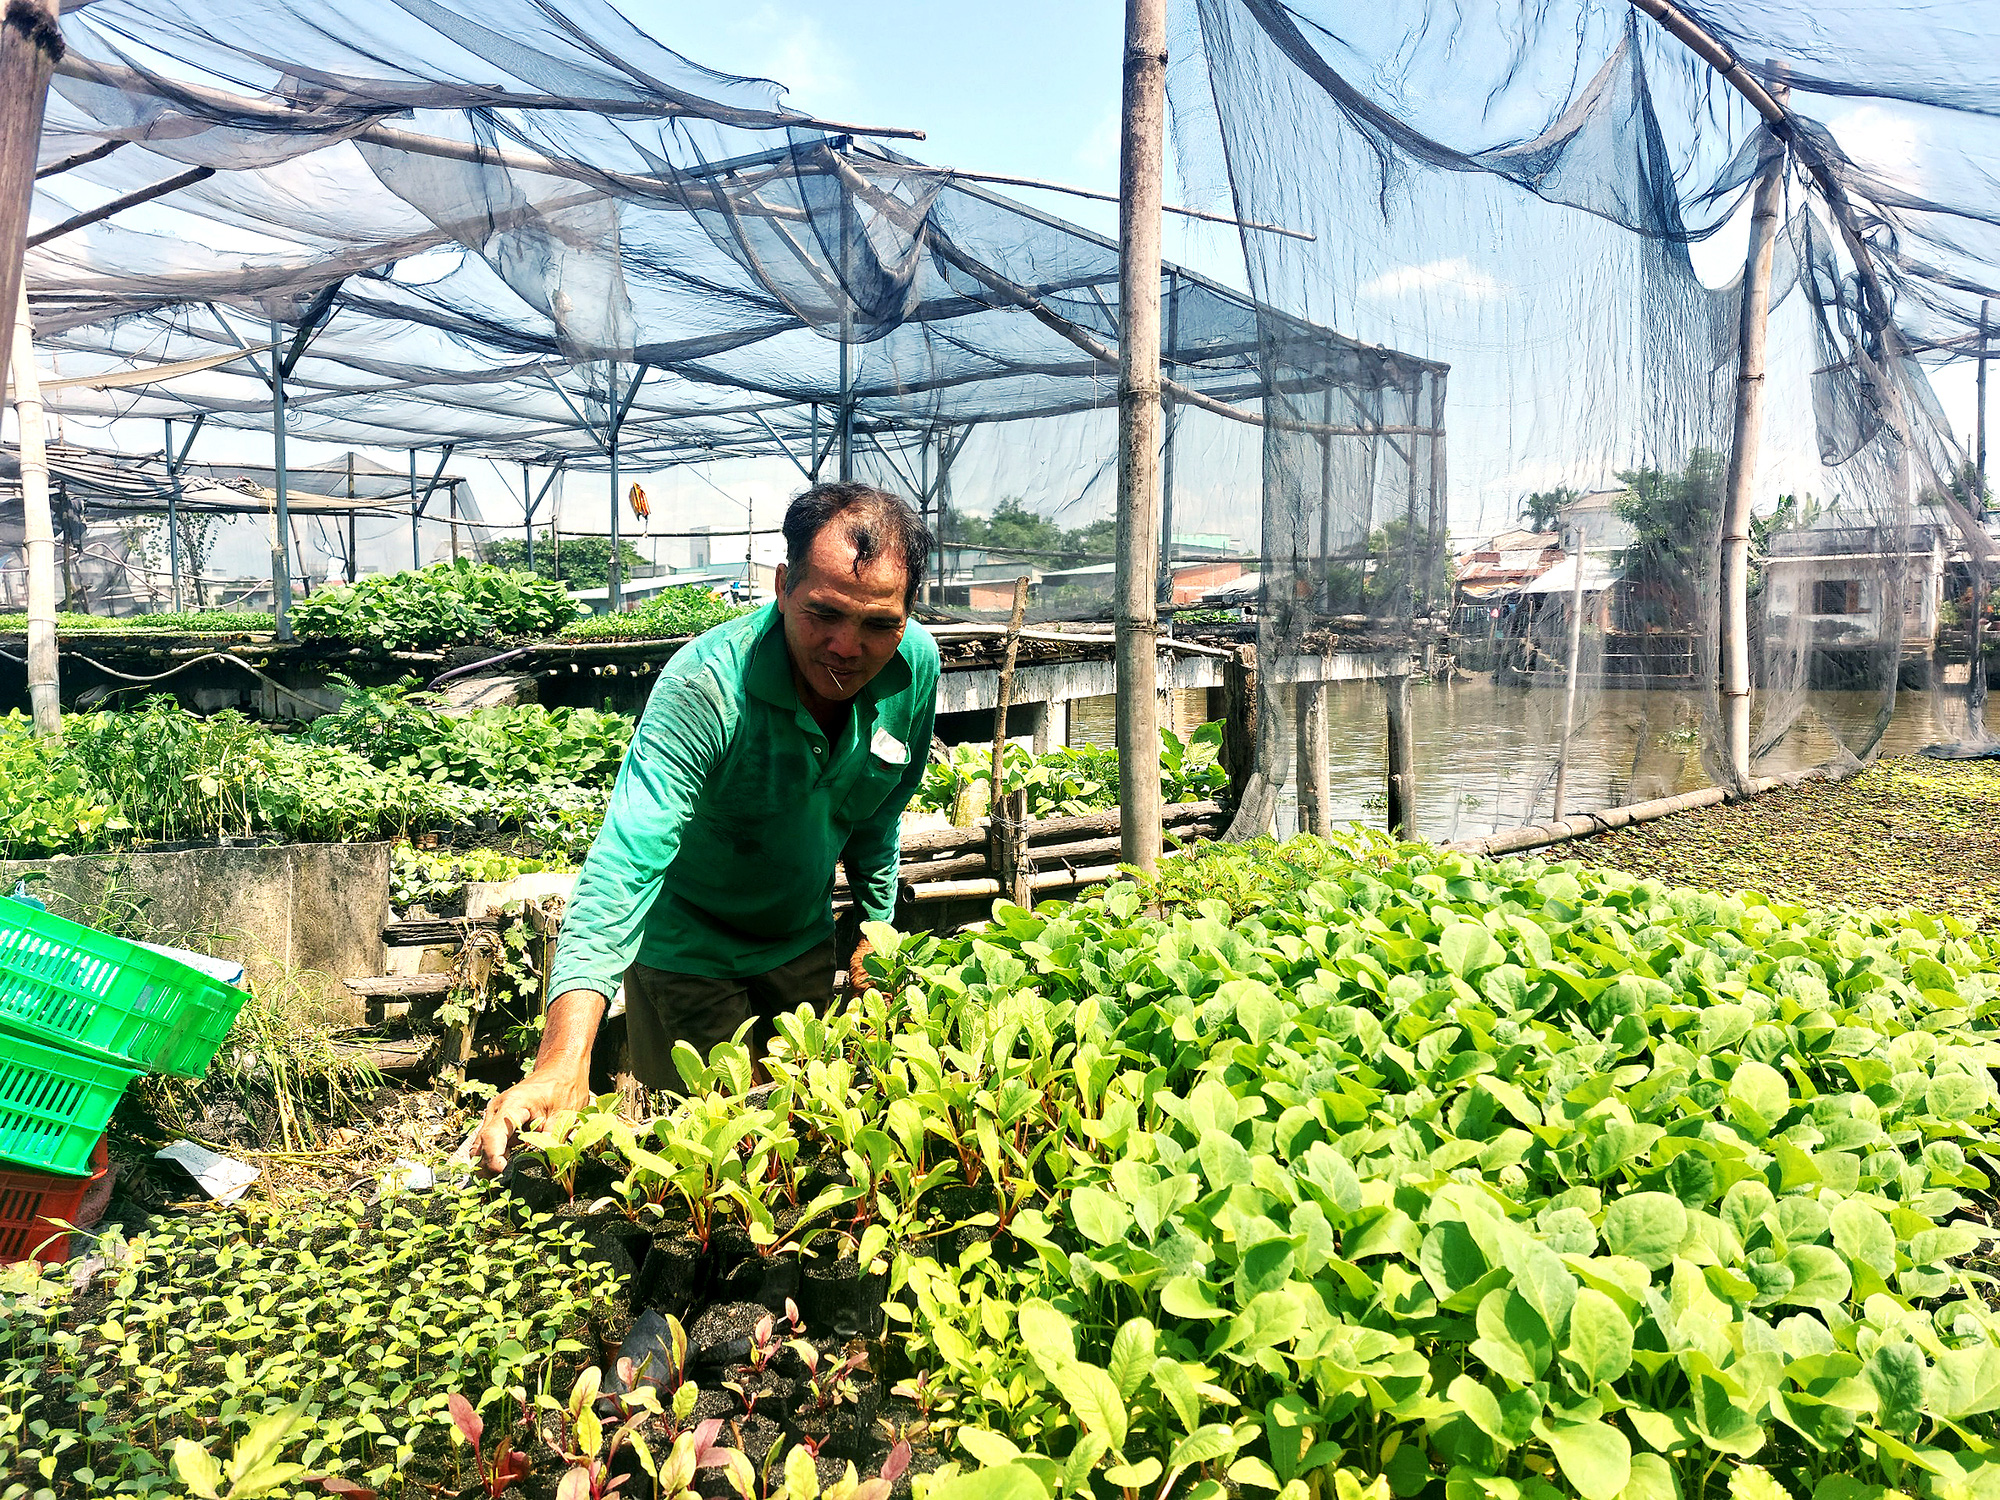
(663,1008)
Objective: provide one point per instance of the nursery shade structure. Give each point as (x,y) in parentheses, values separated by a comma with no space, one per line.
(537,234)
(167,529)
(1552,199)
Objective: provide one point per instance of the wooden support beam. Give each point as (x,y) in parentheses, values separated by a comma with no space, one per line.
(1402,768)
(1141,165)
(1753,322)
(1315,771)
(31,45)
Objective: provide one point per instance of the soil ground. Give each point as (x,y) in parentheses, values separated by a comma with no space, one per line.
(1908,831)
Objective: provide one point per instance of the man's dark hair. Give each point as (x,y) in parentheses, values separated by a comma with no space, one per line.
(874,522)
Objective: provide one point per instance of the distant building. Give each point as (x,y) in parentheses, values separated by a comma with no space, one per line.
(1852,589)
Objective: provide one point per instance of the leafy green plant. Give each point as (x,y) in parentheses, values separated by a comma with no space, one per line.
(210,1329)
(1077,778)
(434,877)
(254,1469)
(170,774)
(219,621)
(687,610)
(449,603)
(397,729)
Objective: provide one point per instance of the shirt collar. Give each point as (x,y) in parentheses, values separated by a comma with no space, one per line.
(770,674)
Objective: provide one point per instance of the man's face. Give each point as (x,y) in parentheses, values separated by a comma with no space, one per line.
(841,628)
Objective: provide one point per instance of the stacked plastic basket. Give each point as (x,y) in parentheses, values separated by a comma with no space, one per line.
(82,1014)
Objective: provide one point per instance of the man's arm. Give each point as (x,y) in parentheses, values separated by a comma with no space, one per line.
(874,850)
(678,741)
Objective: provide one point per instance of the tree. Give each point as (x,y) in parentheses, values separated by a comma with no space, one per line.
(586,560)
(1013,527)
(1676,520)
(1390,589)
(1543,510)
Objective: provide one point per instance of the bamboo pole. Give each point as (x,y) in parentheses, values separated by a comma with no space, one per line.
(1139,193)
(30,46)
(1584,825)
(1315,772)
(1008,814)
(1569,687)
(1752,327)
(44,686)
(1402,768)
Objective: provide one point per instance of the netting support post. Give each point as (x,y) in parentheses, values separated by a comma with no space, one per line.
(1574,543)
(613,580)
(173,516)
(281,548)
(1139,190)
(353,555)
(1315,782)
(38,530)
(846,334)
(1752,327)
(1401,780)
(30,46)
(1169,419)
(1975,669)
(416,539)
(527,518)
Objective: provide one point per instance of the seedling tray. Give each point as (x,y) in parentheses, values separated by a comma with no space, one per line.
(54,1105)
(33,1205)
(73,987)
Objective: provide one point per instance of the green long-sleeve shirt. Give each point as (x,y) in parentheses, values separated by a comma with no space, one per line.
(732,808)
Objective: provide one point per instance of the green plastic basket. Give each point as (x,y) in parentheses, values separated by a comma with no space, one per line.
(88,992)
(54,1105)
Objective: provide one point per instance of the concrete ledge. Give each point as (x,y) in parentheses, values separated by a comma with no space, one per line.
(313,912)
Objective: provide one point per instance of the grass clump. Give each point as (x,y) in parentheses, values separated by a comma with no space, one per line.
(1906,831)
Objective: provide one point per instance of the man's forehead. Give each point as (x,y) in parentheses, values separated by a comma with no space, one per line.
(830,572)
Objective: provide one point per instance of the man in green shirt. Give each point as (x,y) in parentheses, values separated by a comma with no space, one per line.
(772,748)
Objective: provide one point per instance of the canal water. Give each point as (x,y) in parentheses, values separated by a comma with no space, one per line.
(1486,754)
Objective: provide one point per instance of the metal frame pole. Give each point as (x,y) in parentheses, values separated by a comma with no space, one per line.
(353,547)
(281,551)
(416,540)
(1139,192)
(613,589)
(846,334)
(1975,671)
(1170,420)
(173,516)
(528,518)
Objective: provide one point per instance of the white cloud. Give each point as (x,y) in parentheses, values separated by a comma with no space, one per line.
(799,53)
(1096,154)
(1883,140)
(1456,277)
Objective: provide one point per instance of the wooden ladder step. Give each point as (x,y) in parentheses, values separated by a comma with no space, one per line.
(399,986)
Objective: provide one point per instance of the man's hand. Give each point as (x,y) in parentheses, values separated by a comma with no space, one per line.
(531,1102)
(858,977)
(560,1081)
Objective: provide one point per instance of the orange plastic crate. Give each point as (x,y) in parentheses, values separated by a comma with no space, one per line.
(32,1202)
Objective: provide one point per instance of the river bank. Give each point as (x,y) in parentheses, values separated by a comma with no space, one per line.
(1908,831)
